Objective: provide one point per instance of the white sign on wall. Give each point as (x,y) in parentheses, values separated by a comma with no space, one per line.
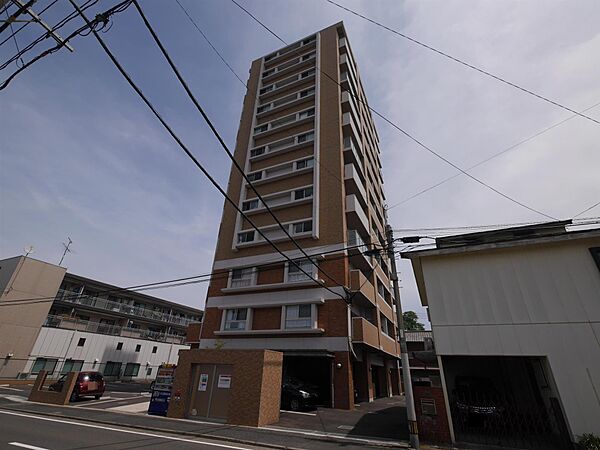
(224,381)
(203,382)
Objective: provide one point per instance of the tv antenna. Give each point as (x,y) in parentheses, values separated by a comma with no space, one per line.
(67,250)
(28,250)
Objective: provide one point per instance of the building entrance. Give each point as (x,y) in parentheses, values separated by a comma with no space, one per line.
(211,387)
(312,372)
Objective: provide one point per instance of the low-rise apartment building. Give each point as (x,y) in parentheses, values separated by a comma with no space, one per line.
(515,314)
(59,322)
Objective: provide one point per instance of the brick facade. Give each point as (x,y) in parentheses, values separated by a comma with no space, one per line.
(432,428)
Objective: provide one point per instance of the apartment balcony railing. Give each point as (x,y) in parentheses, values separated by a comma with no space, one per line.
(355,214)
(72,323)
(109,305)
(364,332)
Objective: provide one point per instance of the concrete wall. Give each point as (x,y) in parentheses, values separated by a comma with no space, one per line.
(23,279)
(62,344)
(537,300)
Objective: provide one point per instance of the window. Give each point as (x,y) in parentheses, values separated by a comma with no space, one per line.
(307,92)
(235,319)
(380,288)
(305,164)
(154,349)
(81,342)
(306,137)
(428,407)
(261,128)
(266,73)
(384,324)
(307,73)
(266,89)
(294,273)
(72,365)
(138,347)
(246,236)
(119,346)
(242,277)
(303,227)
(308,56)
(263,108)
(299,194)
(131,370)
(307,113)
(298,316)
(250,204)
(283,121)
(257,151)
(112,369)
(309,40)
(47,364)
(149,371)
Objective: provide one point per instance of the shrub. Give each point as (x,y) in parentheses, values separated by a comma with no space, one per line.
(589,441)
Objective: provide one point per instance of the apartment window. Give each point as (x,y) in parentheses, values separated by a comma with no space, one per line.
(47,364)
(242,277)
(148,371)
(250,204)
(112,369)
(308,56)
(308,113)
(119,346)
(307,73)
(309,40)
(131,370)
(81,342)
(270,57)
(138,347)
(235,319)
(261,128)
(246,236)
(305,164)
(263,108)
(154,349)
(294,274)
(303,227)
(257,151)
(266,89)
(299,194)
(307,92)
(283,121)
(298,316)
(380,288)
(306,137)
(266,73)
(72,365)
(384,324)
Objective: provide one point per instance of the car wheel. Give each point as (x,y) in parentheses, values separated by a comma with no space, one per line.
(98,397)
(294,404)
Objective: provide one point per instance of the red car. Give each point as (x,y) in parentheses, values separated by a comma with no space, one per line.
(88,384)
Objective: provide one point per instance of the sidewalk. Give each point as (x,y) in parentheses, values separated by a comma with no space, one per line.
(268,438)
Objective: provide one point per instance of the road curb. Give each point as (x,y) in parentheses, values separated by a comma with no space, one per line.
(327,438)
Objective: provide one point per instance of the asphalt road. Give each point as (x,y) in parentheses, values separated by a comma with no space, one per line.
(21,430)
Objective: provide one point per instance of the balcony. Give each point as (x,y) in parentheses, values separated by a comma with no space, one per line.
(355,215)
(72,323)
(364,332)
(121,308)
(300,46)
(357,255)
(354,184)
(362,288)
(290,66)
(282,145)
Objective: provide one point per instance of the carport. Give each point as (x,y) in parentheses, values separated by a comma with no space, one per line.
(314,369)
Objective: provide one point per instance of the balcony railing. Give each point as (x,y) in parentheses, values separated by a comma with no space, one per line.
(72,323)
(109,305)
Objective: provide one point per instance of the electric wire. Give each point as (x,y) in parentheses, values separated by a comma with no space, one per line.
(13,34)
(24,25)
(410,136)
(464,63)
(495,155)
(221,141)
(210,43)
(587,209)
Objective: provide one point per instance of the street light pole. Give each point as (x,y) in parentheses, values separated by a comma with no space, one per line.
(410,400)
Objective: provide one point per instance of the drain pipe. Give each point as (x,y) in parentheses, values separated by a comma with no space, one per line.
(408,391)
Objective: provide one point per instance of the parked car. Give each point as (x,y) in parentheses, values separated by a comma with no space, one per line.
(296,395)
(88,384)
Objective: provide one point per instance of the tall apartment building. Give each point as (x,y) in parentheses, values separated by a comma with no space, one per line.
(308,144)
(58,321)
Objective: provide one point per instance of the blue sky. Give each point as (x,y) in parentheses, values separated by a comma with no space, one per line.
(81,156)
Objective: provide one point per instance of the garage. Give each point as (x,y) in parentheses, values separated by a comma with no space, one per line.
(311,372)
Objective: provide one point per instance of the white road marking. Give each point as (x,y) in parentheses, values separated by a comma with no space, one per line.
(32,447)
(5,386)
(14,398)
(113,399)
(134,408)
(297,412)
(118,430)
(334,435)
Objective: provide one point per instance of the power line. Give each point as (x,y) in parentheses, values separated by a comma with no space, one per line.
(414,139)
(466,64)
(220,139)
(214,275)
(13,34)
(495,155)
(210,43)
(23,26)
(587,209)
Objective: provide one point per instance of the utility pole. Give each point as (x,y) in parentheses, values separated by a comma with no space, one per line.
(53,34)
(408,391)
(66,246)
